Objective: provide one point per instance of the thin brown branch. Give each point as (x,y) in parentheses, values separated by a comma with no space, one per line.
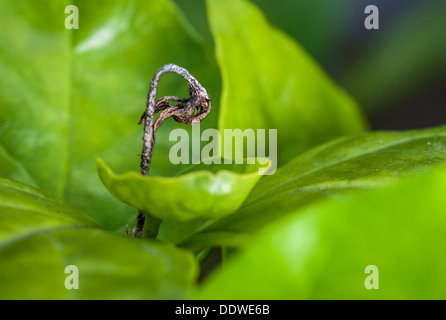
(188,111)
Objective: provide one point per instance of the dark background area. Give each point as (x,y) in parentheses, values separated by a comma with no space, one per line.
(397,74)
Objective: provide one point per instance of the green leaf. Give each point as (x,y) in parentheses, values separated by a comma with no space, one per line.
(40,235)
(269,82)
(34,93)
(109,267)
(69,96)
(25,210)
(322,252)
(197,194)
(332,170)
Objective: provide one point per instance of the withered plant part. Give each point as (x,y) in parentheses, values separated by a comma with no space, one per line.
(189,111)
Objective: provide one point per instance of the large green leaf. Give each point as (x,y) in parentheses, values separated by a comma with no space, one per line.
(269,82)
(69,96)
(203,192)
(323,252)
(25,210)
(34,93)
(41,234)
(110,267)
(342,166)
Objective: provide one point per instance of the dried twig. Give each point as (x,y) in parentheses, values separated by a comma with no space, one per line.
(189,111)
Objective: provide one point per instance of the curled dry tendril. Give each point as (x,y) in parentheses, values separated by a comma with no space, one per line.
(186,110)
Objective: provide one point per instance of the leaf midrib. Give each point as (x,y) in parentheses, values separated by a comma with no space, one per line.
(69,134)
(380,148)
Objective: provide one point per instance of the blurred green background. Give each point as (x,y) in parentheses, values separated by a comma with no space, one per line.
(397,73)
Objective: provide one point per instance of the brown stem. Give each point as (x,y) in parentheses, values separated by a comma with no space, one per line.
(182,112)
(138,228)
